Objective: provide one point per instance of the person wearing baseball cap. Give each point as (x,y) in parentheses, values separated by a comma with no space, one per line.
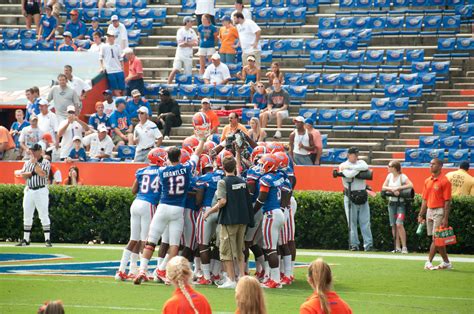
(250,73)
(119,30)
(48,121)
(216,73)
(111,62)
(207,32)
(68,130)
(68,43)
(169,115)
(146,135)
(318,141)
(75,26)
(134,80)
(228,34)
(120,124)
(47,25)
(183,59)
(301,143)
(99,117)
(30,135)
(77,153)
(108,102)
(94,28)
(211,115)
(134,103)
(99,144)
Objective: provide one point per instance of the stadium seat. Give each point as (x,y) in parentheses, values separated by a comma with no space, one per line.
(72,4)
(464,129)
(187,90)
(248,114)
(446,44)
(432,22)
(337,56)
(330,79)
(367,116)
(327,155)
(224,91)
(326,33)
(413,22)
(419,67)
(124,13)
(258,3)
(327,116)
(297,91)
(279,45)
(279,12)
(12,44)
(198,79)
(427,79)
(441,67)
(413,91)
(311,79)
(295,44)
(152,89)
(263,15)
(395,22)
(241,91)
(346,115)
(449,142)
(433,153)
(172,88)
(10,33)
(46,45)
(106,13)
(145,24)
(120,4)
(408,79)
(126,152)
(464,10)
(339,155)
(415,55)
(205,90)
(378,22)
(451,21)
(395,55)
(380,104)
(470,116)
(89,4)
(388,79)
(332,44)
(327,23)
(309,113)
(183,79)
(89,13)
(399,104)
(415,155)
(84,44)
(318,56)
(467,142)
(458,155)
(348,79)
(385,116)
(367,79)
(429,142)
(28,34)
(344,22)
(29,44)
(457,116)
(188,5)
(465,43)
(139,4)
(293,78)
(443,129)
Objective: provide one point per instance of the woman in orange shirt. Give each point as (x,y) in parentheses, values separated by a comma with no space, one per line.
(184,300)
(228,36)
(323,300)
(249,296)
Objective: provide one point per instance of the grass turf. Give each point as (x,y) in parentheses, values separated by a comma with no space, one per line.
(368,285)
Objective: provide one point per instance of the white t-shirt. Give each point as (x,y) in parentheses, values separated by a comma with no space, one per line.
(98,147)
(303,139)
(217,75)
(205,7)
(48,123)
(78,85)
(58,177)
(30,136)
(245,12)
(121,35)
(109,108)
(247,35)
(73,129)
(111,55)
(401,180)
(95,48)
(185,35)
(146,134)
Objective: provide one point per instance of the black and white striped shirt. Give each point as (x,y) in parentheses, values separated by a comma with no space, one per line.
(36,181)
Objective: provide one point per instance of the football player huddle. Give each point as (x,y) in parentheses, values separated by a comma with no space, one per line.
(179,185)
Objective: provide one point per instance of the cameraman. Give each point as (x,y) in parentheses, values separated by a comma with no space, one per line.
(356,199)
(394,183)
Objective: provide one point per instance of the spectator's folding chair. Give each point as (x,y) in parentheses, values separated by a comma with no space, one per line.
(172,88)
(327,116)
(408,79)
(89,4)
(429,141)
(446,44)
(387,79)
(451,21)
(415,55)
(224,91)
(367,116)
(458,155)
(311,79)
(330,79)
(413,22)
(241,91)
(293,78)
(440,67)
(340,155)
(464,129)
(420,67)
(414,155)
(427,79)
(297,91)
(395,22)
(337,56)
(374,56)
(367,79)
(413,91)
(326,23)
(187,90)
(248,114)
(309,114)
(380,103)
(467,142)
(346,115)
(395,55)
(465,43)
(399,104)
(152,89)
(46,45)
(443,129)
(393,91)
(123,4)
(12,44)
(432,154)
(348,79)
(449,142)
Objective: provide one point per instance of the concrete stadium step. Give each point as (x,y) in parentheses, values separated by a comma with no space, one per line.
(398,148)
(414,135)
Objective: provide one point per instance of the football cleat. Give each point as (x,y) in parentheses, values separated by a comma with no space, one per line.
(141,277)
(271,284)
(260,275)
(203,281)
(217,280)
(159,276)
(285,280)
(23,243)
(121,276)
(47,243)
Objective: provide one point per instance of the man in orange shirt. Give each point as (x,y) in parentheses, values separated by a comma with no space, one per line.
(134,80)
(228,35)
(436,204)
(233,126)
(211,115)
(7,145)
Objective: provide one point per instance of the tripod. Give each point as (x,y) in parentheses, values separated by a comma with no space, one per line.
(349,215)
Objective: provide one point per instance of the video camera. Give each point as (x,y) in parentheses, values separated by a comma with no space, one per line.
(240,141)
(363,175)
(407,194)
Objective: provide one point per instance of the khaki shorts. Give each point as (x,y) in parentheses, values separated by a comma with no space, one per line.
(117,139)
(434,217)
(232,242)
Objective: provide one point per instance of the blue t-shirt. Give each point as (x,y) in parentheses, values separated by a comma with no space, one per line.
(175,182)
(260,100)
(66,48)
(148,180)
(208,183)
(91,31)
(95,120)
(18,127)
(274,181)
(48,23)
(191,200)
(78,154)
(255,174)
(76,29)
(131,108)
(119,120)
(32,108)
(207,36)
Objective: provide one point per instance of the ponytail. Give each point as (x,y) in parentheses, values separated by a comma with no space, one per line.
(185,292)
(179,272)
(320,277)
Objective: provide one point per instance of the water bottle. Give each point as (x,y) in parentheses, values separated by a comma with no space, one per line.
(421,229)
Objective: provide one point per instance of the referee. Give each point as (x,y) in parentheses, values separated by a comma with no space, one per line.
(36,195)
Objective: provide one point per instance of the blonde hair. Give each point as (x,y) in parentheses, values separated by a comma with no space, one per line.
(179,273)
(257,121)
(249,296)
(52,307)
(320,278)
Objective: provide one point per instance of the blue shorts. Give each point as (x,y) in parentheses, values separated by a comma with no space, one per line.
(116,81)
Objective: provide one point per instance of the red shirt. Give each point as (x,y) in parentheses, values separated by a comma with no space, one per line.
(436,191)
(136,68)
(178,304)
(336,304)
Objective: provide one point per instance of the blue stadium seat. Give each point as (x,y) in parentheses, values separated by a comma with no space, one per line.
(399,103)
(356,56)
(408,79)
(12,44)
(385,116)
(88,14)
(377,22)
(374,56)
(449,142)
(326,23)
(279,45)
(144,13)
(206,90)
(395,55)
(367,79)
(380,103)
(464,129)
(279,12)
(172,88)
(432,21)
(84,43)
(295,44)
(337,56)
(241,91)
(314,44)
(332,44)
(451,21)
(258,3)
(327,116)
(467,142)
(330,79)
(344,33)
(46,45)
(326,33)
(395,22)
(393,91)
(349,43)
(367,116)
(106,13)
(297,91)
(432,154)
(413,22)
(276,3)
(458,155)
(125,13)
(427,79)
(266,56)
(419,3)
(419,67)
(440,67)
(309,113)
(28,34)
(158,13)
(346,115)
(413,90)
(188,5)
(183,79)
(126,152)
(89,4)
(318,56)
(414,155)
(429,142)
(349,79)
(327,155)
(388,79)
(152,89)
(123,4)
(465,43)
(293,78)
(263,14)
(198,79)
(363,3)
(129,23)
(340,155)
(311,79)
(29,44)
(248,114)
(145,24)
(224,91)
(401,3)
(344,22)
(134,35)
(234,68)
(382,3)
(470,116)
(10,33)
(463,10)
(187,90)
(415,55)
(443,129)
(72,4)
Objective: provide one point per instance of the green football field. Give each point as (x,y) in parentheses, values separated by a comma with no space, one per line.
(369,282)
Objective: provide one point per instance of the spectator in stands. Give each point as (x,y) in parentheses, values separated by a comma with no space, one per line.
(169,115)
(48,122)
(277,106)
(317,139)
(186,39)
(97,42)
(211,115)
(394,183)
(73,177)
(205,7)
(77,153)
(7,145)
(134,80)
(146,135)
(134,103)
(31,10)
(30,135)
(119,30)
(111,61)
(249,296)
(462,183)
(301,143)
(99,144)
(249,36)
(323,300)
(121,124)
(55,176)
(250,73)
(256,133)
(233,127)
(68,44)
(18,126)
(216,73)
(77,84)
(48,25)
(52,147)
(228,36)
(63,96)
(32,106)
(207,41)
(75,26)
(98,118)
(69,129)
(275,73)
(239,8)
(95,28)
(260,97)
(109,102)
